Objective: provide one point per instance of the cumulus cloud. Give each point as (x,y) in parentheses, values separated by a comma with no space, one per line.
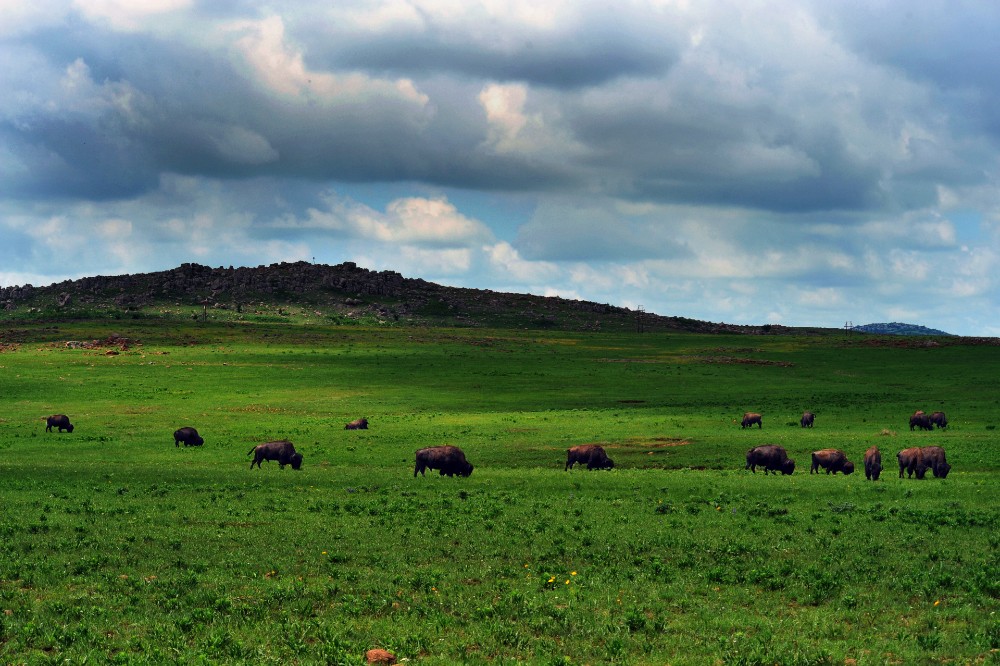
(408,221)
(282,70)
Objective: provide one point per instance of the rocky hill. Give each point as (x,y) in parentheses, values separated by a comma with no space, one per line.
(345,292)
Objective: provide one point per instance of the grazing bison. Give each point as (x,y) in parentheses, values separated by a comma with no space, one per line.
(449,459)
(189,436)
(832,460)
(912,462)
(357,424)
(592,454)
(749,418)
(283,451)
(59,421)
(922,421)
(873,463)
(939,419)
(771,457)
(807,419)
(934,459)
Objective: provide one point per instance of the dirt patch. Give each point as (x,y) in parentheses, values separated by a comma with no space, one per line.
(629,360)
(737,360)
(647,443)
(631,402)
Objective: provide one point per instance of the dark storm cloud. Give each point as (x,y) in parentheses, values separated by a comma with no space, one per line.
(586,62)
(586,47)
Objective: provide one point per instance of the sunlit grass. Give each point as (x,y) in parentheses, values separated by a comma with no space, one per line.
(115,545)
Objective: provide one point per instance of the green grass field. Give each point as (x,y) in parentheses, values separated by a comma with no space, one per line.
(118,547)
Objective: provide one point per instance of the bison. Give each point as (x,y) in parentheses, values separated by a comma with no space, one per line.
(58,421)
(449,459)
(939,419)
(832,460)
(934,459)
(922,421)
(189,436)
(873,463)
(357,424)
(771,457)
(282,450)
(749,418)
(912,462)
(807,419)
(592,454)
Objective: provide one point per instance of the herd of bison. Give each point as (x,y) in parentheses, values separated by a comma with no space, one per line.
(451,461)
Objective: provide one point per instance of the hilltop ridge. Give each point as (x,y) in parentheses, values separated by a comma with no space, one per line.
(344,292)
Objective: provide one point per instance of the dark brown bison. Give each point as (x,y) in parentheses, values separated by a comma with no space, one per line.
(832,460)
(934,459)
(873,463)
(912,462)
(939,419)
(771,457)
(58,421)
(357,424)
(449,459)
(282,450)
(922,421)
(749,418)
(807,419)
(189,436)
(591,454)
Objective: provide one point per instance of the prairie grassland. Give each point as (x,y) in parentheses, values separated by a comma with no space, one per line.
(116,546)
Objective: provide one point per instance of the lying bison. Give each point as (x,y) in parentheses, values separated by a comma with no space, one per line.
(873,463)
(59,421)
(912,462)
(283,451)
(357,424)
(832,460)
(807,419)
(750,418)
(771,457)
(934,459)
(449,459)
(939,419)
(591,454)
(922,421)
(189,436)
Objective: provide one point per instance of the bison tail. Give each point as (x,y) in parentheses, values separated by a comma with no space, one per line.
(251,450)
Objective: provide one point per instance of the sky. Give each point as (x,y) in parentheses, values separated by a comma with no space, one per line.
(752,162)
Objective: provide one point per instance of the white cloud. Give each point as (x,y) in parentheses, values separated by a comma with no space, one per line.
(281,68)
(407,221)
(505,259)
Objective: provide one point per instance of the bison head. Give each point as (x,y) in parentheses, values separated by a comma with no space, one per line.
(942,470)
(296,460)
(848,467)
(69,428)
(788,466)
(467,471)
